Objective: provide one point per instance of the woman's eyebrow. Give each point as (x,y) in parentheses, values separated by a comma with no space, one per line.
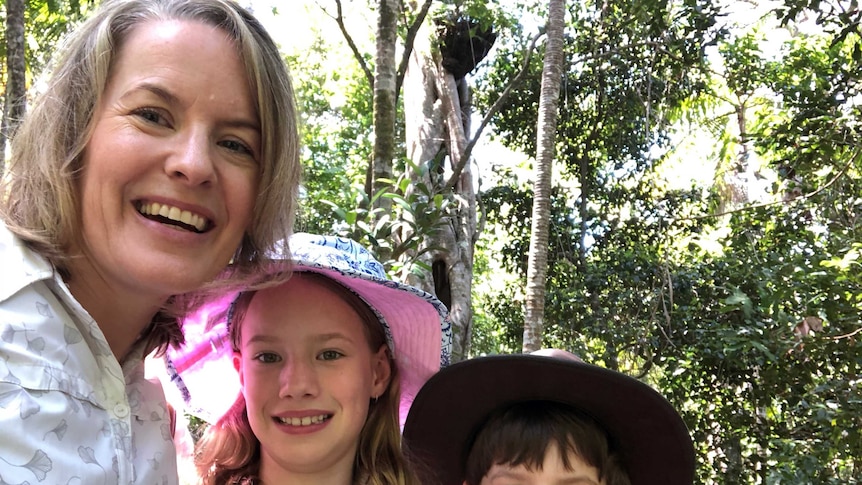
(172,99)
(156,89)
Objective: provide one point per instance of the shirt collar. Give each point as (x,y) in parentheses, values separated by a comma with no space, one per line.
(21,265)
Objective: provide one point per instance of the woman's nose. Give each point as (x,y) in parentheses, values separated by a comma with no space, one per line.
(192,161)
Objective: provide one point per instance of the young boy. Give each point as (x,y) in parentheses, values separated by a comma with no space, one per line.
(545,419)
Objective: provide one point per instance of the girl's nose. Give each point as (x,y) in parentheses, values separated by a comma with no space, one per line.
(298,379)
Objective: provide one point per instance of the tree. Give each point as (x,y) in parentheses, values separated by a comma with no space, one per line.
(436,131)
(632,68)
(537,265)
(385,96)
(38,24)
(433,231)
(16,69)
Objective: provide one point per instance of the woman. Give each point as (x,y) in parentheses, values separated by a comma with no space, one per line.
(327,365)
(164,147)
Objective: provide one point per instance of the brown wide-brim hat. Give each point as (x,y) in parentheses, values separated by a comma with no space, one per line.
(450,409)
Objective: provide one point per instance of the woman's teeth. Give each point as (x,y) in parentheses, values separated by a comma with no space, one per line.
(174,214)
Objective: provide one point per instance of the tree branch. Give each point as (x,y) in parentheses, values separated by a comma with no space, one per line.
(465,157)
(339,19)
(853,159)
(847,335)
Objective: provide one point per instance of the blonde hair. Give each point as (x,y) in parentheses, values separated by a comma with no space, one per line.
(229,453)
(39,199)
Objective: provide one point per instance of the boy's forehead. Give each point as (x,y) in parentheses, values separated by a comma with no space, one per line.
(554,470)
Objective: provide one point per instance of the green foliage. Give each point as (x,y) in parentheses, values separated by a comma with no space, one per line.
(337,117)
(630,64)
(46,21)
(775,391)
(722,337)
(487,14)
(745,68)
(417,212)
(819,85)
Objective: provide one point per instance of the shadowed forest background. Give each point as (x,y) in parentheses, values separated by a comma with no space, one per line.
(703,218)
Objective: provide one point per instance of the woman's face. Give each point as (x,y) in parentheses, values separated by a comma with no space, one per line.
(308,375)
(171,171)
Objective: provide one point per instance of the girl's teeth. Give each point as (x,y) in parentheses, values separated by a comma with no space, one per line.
(304,421)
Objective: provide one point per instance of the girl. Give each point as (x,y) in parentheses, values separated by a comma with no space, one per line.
(327,363)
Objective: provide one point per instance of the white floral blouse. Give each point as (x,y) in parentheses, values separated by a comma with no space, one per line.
(69,412)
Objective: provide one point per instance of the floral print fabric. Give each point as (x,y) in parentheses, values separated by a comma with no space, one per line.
(70,413)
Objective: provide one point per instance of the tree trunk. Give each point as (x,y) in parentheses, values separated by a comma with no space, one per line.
(16,85)
(385,77)
(537,266)
(433,123)
(735,182)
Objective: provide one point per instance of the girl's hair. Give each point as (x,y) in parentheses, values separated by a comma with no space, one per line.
(229,453)
(39,195)
(520,435)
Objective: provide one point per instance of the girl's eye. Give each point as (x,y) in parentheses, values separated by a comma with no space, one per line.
(330,355)
(267,358)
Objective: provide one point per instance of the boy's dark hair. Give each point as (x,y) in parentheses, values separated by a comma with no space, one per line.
(520,434)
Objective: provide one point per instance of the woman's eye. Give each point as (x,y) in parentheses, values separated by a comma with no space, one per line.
(237,146)
(330,355)
(267,358)
(152,116)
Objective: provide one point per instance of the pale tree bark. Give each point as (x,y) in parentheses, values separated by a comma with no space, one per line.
(433,126)
(537,266)
(16,68)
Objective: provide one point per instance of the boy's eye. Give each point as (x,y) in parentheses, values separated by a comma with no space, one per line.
(267,358)
(330,355)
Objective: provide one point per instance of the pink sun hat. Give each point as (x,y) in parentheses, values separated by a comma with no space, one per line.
(416,324)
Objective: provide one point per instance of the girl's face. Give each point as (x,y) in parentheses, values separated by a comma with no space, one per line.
(308,375)
(552,472)
(171,171)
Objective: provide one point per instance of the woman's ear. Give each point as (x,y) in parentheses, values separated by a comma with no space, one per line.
(381,371)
